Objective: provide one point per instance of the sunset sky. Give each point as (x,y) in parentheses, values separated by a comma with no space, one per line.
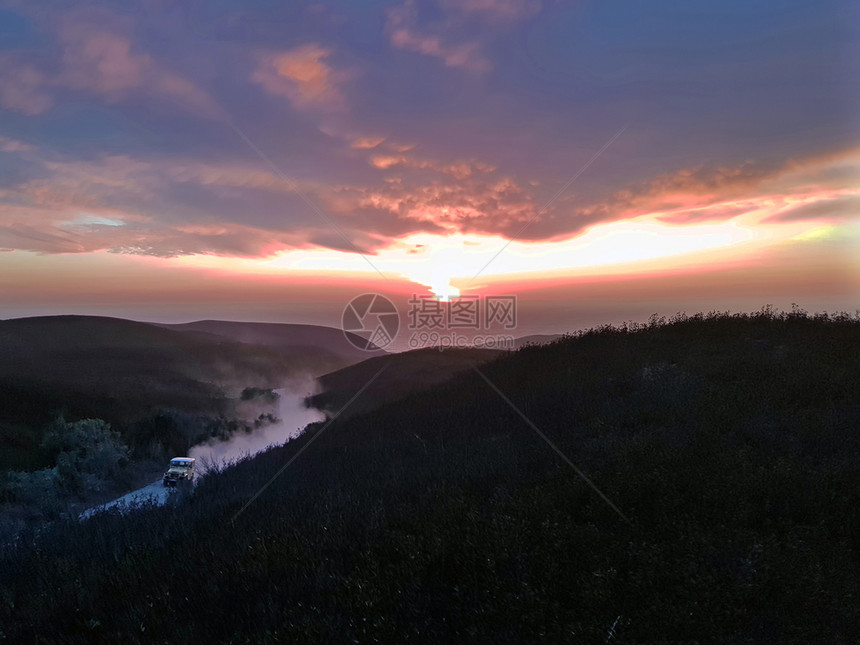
(262,160)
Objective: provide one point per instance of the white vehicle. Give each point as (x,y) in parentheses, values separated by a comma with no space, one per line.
(181,469)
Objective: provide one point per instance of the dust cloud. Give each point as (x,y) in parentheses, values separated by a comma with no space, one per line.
(292,416)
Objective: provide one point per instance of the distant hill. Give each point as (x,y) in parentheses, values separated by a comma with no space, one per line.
(105,357)
(401,374)
(120,370)
(536,339)
(314,341)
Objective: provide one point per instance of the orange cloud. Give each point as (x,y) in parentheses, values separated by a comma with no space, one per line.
(384,162)
(303,76)
(70,206)
(830,208)
(365,143)
(457,170)
(723,192)
(475,203)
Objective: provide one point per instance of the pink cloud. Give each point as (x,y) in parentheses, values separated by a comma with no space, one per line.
(72,222)
(117,202)
(403,34)
(716,212)
(477,203)
(13,145)
(495,10)
(718,192)
(22,88)
(101,62)
(829,208)
(697,187)
(98,58)
(457,170)
(134,177)
(303,76)
(384,162)
(365,143)
(106,63)
(96,205)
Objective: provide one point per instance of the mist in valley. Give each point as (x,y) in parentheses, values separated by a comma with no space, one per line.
(290,414)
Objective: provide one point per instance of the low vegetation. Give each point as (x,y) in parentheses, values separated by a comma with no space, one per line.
(728,442)
(88,455)
(393,376)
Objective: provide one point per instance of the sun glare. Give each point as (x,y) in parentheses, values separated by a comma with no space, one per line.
(447,265)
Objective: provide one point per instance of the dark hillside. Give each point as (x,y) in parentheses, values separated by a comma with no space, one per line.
(403,373)
(730,442)
(123,371)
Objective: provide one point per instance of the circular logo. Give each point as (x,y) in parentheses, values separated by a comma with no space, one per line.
(370,322)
